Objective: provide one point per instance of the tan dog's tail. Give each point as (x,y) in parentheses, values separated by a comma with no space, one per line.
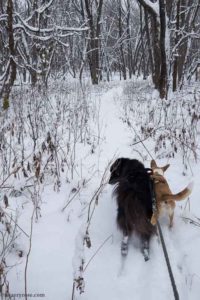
(181,195)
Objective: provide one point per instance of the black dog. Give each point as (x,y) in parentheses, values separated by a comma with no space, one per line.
(134,199)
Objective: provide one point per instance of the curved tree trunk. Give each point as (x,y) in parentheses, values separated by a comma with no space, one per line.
(158,26)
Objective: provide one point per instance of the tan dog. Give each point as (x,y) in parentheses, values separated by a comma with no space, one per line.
(165,200)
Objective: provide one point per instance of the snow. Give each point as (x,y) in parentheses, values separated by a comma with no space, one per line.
(58,247)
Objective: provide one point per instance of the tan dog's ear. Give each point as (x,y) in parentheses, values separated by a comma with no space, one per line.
(165,167)
(153,164)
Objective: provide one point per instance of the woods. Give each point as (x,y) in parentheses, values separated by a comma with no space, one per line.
(82,83)
(43,39)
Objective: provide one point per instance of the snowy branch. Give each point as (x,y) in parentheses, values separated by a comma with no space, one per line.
(51,30)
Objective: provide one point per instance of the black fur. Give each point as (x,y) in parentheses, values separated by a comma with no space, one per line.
(133,197)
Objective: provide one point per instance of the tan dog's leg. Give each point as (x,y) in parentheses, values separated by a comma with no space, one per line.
(156,214)
(171,216)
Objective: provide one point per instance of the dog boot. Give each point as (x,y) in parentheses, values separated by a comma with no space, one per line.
(145,250)
(124,246)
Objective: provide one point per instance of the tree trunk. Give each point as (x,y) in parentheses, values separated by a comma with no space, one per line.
(156,51)
(175,69)
(123,64)
(163,70)
(158,25)
(143,62)
(34,54)
(94,43)
(155,29)
(11,73)
(149,42)
(129,55)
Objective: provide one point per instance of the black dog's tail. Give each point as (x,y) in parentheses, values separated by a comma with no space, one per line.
(134,208)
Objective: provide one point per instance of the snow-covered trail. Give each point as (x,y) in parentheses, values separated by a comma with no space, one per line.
(107,276)
(50,268)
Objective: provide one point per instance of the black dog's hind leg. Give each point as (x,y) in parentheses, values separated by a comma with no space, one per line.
(124,245)
(145,247)
(122,223)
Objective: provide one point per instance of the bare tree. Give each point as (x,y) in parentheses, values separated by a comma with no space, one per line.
(121,40)
(94,37)
(163,66)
